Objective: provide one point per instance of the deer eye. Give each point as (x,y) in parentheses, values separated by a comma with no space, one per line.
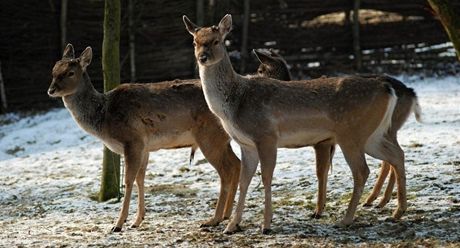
(260,71)
(70,73)
(215,42)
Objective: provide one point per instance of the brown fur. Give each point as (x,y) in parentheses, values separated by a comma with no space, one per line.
(274,66)
(134,119)
(262,114)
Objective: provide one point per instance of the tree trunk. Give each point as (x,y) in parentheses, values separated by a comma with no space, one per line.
(244,37)
(356,35)
(111,71)
(449,19)
(132,41)
(63,24)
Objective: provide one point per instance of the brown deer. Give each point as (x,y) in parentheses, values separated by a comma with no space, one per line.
(262,114)
(134,119)
(273,65)
(177,106)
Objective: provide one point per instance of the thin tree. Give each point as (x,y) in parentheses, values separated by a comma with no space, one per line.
(111,71)
(450,19)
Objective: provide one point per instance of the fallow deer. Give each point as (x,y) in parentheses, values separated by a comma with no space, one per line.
(134,119)
(273,65)
(262,114)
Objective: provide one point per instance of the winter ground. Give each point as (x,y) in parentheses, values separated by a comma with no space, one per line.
(50,168)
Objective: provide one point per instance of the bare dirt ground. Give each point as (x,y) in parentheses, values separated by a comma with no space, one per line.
(49,170)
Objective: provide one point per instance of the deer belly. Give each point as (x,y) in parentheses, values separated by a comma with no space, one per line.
(114,146)
(302,138)
(171,141)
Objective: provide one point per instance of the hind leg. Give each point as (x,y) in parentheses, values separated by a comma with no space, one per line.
(360,171)
(389,190)
(140,191)
(323,154)
(391,152)
(218,158)
(235,165)
(384,169)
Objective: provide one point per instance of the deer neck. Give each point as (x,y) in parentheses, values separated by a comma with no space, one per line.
(87,106)
(220,86)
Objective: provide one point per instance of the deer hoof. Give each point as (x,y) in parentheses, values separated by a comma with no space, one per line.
(266,231)
(209,223)
(231,231)
(315,216)
(134,226)
(115,229)
(367,204)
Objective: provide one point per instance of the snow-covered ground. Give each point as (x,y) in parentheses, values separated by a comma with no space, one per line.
(49,168)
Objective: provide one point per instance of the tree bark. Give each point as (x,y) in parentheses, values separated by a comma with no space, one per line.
(110,183)
(356,35)
(63,24)
(244,37)
(132,40)
(449,19)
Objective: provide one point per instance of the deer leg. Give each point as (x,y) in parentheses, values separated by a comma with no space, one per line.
(249,163)
(267,155)
(323,160)
(360,171)
(384,169)
(389,190)
(133,158)
(219,212)
(140,191)
(235,165)
(226,164)
(396,159)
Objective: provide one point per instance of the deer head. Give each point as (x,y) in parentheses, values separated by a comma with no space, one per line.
(209,41)
(68,72)
(272,65)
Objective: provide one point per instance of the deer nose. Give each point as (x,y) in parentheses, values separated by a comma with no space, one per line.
(51,90)
(203,58)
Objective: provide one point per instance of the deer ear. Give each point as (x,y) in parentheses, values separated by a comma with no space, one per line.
(225,25)
(189,25)
(68,53)
(85,57)
(262,57)
(273,53)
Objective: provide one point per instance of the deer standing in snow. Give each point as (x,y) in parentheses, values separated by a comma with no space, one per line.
(262,114)
(134,119)
(273,65)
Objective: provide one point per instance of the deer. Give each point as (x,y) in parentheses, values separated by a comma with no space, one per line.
(262,114)
(152,116)
(273,65)
(135,119)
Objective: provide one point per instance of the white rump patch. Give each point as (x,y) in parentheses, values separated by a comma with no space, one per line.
(377,141)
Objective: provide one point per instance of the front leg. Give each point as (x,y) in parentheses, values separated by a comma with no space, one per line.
(133,158)
(249,161)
